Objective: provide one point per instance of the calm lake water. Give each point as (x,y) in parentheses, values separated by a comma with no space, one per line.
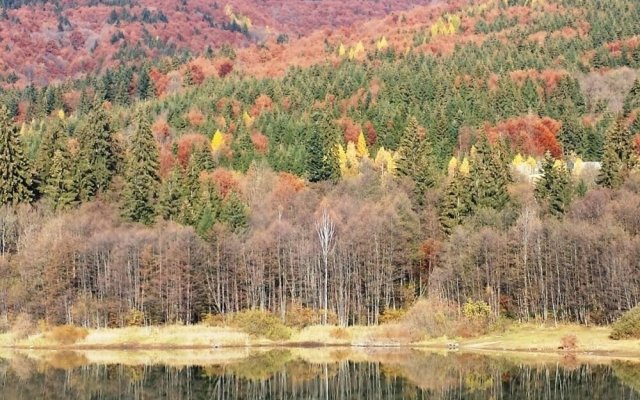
(311,374)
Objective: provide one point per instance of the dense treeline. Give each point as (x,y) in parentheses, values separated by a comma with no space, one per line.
(332,188)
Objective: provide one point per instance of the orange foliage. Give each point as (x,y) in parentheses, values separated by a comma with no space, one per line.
(167,160)
(286,188)
(530,134)
(195,117)
(225,181)
(350,129)
(370,133)
(262,103)
(260,142)
(160,130)
(186,145)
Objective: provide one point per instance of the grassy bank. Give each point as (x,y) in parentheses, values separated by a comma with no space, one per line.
(518,337)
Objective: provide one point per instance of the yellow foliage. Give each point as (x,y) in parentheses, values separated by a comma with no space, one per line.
(517,160)
(533,164)
(578,166)
(341,50)
(348,160)
(386,160)
(352,53)
(61,114)
(558,164)
(359,48)
(217,141)
(362,150)
(23,129)
(464,167)
(248,120)
(382,43)
(453,166)
(446,27)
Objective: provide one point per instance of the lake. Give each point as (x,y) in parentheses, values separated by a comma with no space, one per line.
(307,373)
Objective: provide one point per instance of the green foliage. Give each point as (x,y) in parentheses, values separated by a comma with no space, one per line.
(554,190)
(322,164)
(415,159)
(476,310)
(618,158)
(260,323)
(16,184)
(142,172)
(628,326)
(489,177)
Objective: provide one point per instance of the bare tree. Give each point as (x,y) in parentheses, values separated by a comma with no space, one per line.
(326,230)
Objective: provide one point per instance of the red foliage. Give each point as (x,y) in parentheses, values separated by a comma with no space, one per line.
(160,81)
(225,69)
(370,133)
(636,143)
(286,188)
(197,76)
(225,181)
(160,130)
(350,129)
(195,117)
(167,160)
(186,145)
(530,134)
(260,142)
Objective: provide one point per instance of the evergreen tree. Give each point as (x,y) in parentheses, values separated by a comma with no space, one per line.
(456,202)
(171,196)
(145,85)
(234,213)
(553,190)
(322,163)
(415,159)
(60,186)
(97,156)
(632,99)
(488,178)
(141,176)
(15,172)
(53,140)
(618,158)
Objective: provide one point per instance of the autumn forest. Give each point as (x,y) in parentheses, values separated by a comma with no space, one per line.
(341,166)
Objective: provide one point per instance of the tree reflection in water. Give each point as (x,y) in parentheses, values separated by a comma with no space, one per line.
(285,374)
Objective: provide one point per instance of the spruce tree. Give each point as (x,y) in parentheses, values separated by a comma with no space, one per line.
(60,186)
(97,157)
(171,195)
(618,158)
(416,159)
(632,99)
(322,163)
(53,140)
(234,213)
(456,202)
(553,190)
(488,177)
(141,176)
(15,172)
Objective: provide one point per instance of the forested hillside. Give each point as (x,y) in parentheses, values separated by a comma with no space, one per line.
(484,151)
(45,41)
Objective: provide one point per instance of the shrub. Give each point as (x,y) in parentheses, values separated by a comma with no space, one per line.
(392,315)
(67,334)
(569,342)
(260,323)
(210,319)
(134,318)
(628,326)
(396,333)
(478,310)
(340,333)
(434,317)
(299,316)
(23,326)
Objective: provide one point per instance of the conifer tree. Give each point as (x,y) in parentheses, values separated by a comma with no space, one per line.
(145,85)
(322,163)
(553,190)
(234,213)
(97,156)
(171,195)
(617,159)
(488,178)
(456,202)
(141,176)
(52,141)
(632,99)
(15,172)
(415,158)
(60,186)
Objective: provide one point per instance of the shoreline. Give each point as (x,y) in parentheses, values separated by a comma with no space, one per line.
(519,338)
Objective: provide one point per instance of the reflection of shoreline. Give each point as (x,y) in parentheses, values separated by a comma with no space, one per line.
(309,370)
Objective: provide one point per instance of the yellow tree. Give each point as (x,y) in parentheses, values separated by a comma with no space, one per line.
(217,141)
(362,150)
(452,167)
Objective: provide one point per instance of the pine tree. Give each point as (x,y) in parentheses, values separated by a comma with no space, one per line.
(617,159)
(60,186)
(456,202)
(145,85)
(15,172)
(632,99)
(415,159)
(488,177)
(97,157)
(171,196)
(553,190)
(142,172)
(322,163)
(53,140)
(234,213)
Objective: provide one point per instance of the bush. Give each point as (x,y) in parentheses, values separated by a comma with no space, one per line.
(340,333)
(134,318)
(569,342)
(210,319)
(299,316)
(23,326)
(392,315)
(67,334)
(260,323)
(434,317)
(628,326)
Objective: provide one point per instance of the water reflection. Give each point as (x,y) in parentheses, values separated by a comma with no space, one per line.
(310,374)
